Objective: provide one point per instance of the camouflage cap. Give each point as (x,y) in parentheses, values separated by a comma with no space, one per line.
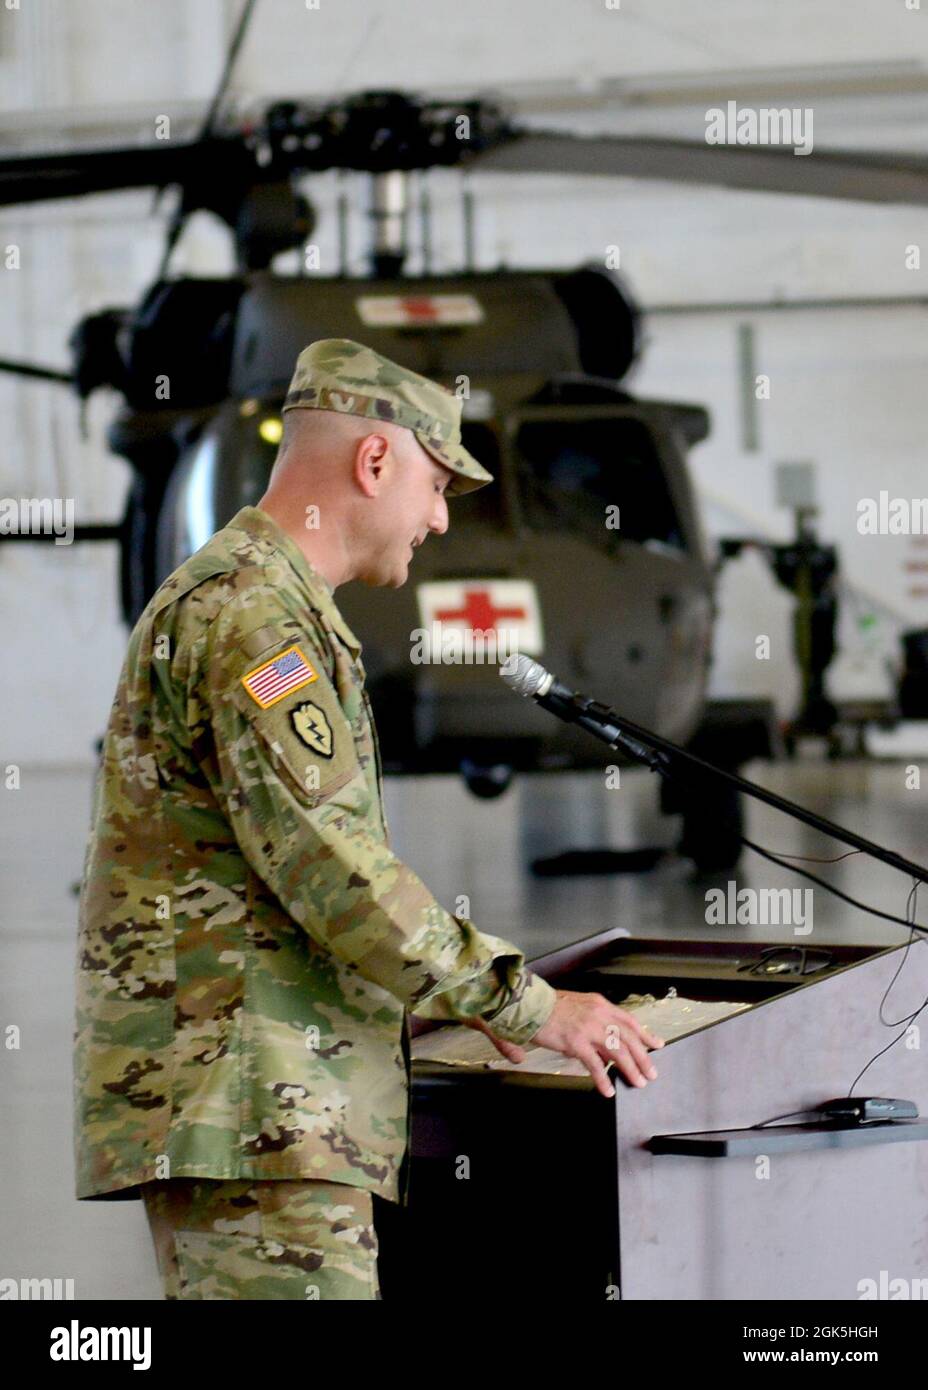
(338,374)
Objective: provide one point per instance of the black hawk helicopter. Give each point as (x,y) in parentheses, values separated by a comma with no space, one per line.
(624,610)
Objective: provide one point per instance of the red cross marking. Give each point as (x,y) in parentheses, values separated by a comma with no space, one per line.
(478,612)
(419,308)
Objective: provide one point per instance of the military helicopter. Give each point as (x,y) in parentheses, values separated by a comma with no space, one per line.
(624,610)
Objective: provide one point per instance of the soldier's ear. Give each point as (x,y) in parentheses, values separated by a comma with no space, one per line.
(370,462)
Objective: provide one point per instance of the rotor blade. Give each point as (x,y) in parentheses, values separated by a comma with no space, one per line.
(39,373)
(872,178)
(238,39)
(179,216)
(34,178)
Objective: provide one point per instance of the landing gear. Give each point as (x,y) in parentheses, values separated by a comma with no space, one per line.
(713,822)
(486,782)
(732,733)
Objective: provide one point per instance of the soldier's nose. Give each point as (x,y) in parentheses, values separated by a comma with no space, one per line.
(439,522)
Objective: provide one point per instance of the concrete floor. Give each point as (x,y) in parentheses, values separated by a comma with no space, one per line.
(460,846)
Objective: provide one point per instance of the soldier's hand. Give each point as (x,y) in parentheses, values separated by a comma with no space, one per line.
(511,1051)
(587,1026)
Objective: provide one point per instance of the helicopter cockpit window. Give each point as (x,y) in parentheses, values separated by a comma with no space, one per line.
(573,470)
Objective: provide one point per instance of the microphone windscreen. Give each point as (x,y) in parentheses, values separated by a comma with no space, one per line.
(524,675)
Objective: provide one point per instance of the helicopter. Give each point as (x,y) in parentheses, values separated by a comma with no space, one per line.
(539,359)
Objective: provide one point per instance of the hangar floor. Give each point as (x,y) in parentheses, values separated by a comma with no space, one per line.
(460,846)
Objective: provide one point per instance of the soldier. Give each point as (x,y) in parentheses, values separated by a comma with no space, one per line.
(249,944)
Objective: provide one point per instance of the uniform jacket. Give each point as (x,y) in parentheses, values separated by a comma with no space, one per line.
(248,942)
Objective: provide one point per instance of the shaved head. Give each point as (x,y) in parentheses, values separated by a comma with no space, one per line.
(318,438)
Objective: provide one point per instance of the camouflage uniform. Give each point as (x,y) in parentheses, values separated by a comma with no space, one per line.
(248,942)
(263,1240)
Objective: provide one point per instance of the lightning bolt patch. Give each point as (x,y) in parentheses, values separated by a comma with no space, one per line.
(313,728)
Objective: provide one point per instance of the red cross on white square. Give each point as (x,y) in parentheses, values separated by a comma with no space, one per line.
(485,606)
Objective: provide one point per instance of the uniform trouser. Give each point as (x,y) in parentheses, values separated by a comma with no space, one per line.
(299,1238)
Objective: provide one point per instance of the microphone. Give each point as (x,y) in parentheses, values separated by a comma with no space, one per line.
(530,679)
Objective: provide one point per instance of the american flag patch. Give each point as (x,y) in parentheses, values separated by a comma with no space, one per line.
(272,680)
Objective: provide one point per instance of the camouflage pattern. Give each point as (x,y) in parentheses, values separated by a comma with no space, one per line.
(338,374)
(248,942)
(268,1240)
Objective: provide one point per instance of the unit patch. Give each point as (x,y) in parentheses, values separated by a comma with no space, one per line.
(313,728)
(272,680)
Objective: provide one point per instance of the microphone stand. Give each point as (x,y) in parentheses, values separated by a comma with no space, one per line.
(664,757)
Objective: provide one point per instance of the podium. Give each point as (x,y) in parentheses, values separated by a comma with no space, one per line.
(531,1183)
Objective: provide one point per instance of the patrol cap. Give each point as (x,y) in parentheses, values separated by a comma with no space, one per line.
(338,374)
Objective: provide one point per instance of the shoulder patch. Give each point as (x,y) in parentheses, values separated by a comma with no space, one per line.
(273,680)
(313,728)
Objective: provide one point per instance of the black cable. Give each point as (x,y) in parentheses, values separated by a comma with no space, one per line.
(781,863)
(790,1114)
(910,911)
(883,1050)
(911,907)
(910,1019)
(823,883)
(907,1020)
(817,858)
